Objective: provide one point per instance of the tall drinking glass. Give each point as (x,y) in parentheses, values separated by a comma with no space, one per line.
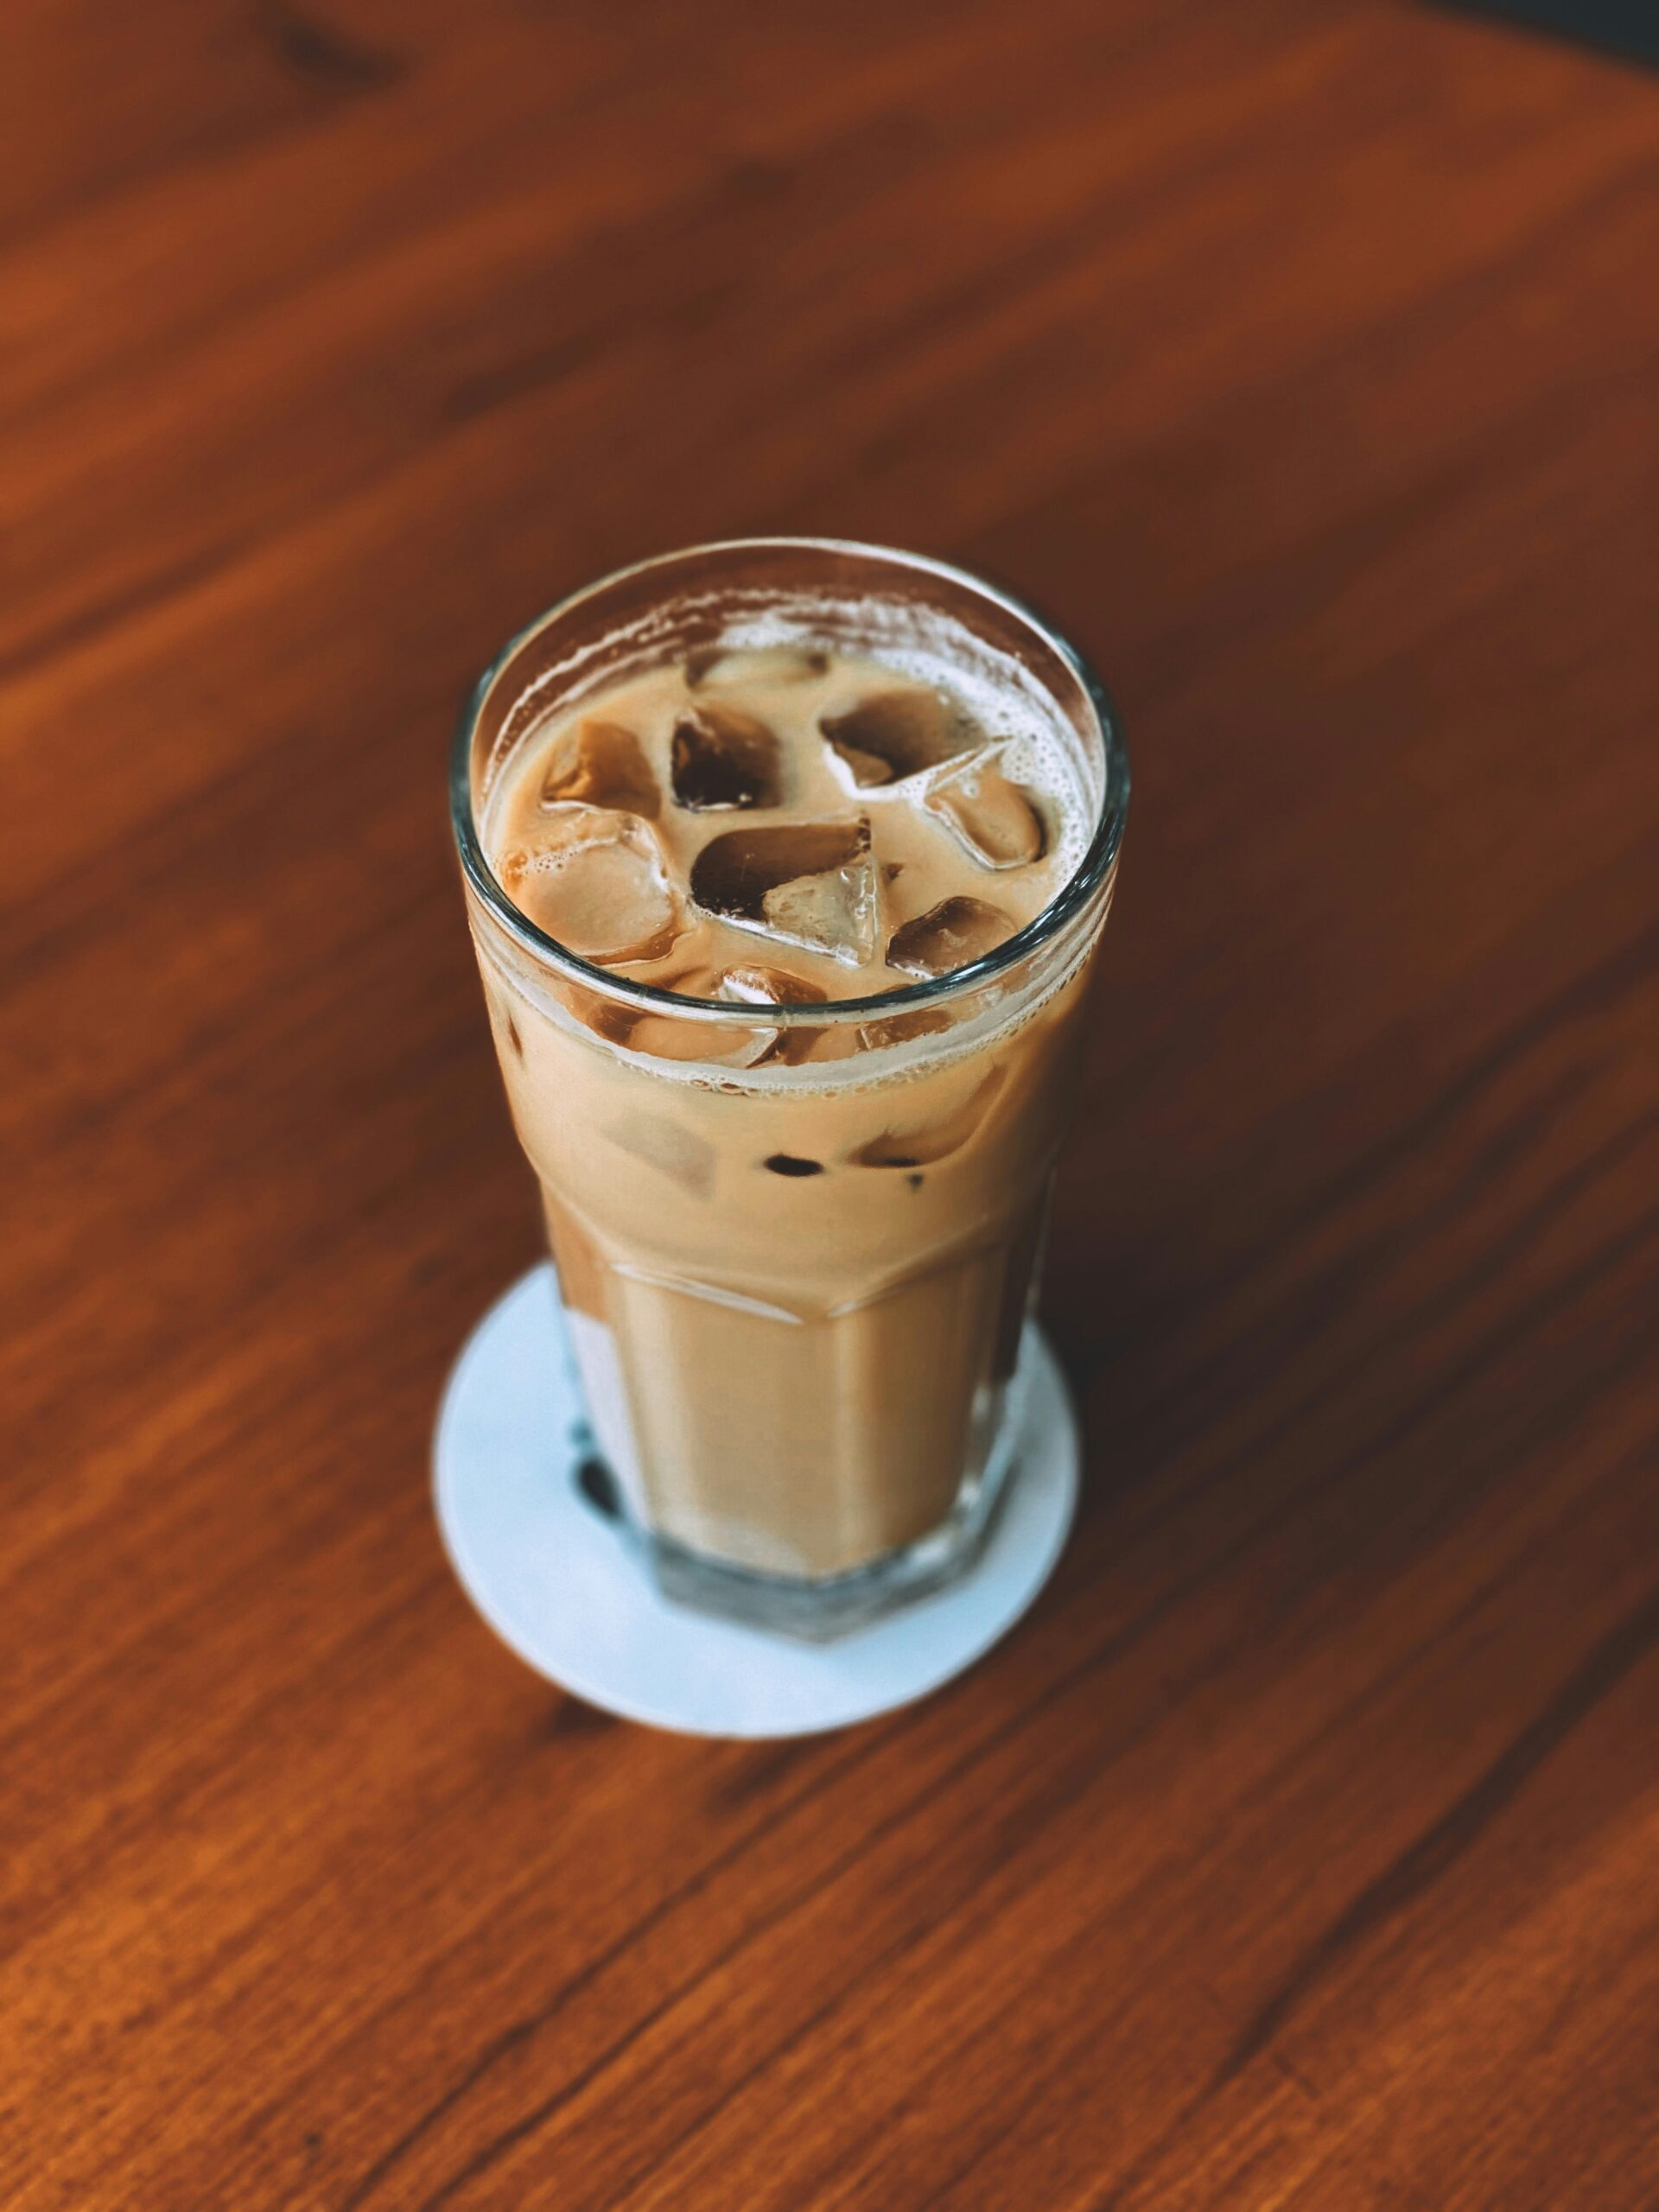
(797,1292)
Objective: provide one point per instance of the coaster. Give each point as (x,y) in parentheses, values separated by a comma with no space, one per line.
(569,1590)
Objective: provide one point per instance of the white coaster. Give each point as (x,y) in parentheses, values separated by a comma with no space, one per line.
(569,1591)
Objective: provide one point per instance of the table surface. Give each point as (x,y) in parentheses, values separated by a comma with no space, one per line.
(1298,1850)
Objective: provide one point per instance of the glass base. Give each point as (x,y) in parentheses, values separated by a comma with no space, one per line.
(535,1531)
(820,1609)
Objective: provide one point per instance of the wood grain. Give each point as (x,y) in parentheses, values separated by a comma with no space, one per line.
(1298,1851)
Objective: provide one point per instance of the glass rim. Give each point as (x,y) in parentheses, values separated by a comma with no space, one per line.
(1069,901)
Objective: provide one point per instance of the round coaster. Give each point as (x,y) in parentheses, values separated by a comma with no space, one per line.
(569,1591)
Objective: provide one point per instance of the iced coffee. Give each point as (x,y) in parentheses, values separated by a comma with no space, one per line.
(786,868)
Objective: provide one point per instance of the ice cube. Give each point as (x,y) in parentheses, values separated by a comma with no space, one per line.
(760,986)
(833,912)
(866,769)
(902,1028)
(612,1020)
(767,987)
(990,816)
(896,733)
(594,879)
(714,668)
(734,871)
(672,1037)
(622,1022)
(948,937)
(674,1151)
(922,1144)
(744,1044)
(503,1025)
(811,883)
(836,1040)
(723,757)
(601,764)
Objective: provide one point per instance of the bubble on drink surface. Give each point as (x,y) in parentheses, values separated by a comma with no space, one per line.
(991,816)
(716,668)
(920,1145)
(596,882)
(894,735)
(952,935)
(721,757)
(810,884)
(600,763)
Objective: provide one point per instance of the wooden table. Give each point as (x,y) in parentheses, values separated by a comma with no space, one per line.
(1299,1850)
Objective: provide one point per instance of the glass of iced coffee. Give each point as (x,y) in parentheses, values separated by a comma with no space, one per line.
(787,861)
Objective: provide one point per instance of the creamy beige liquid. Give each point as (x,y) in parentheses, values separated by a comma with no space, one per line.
(797,1258)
